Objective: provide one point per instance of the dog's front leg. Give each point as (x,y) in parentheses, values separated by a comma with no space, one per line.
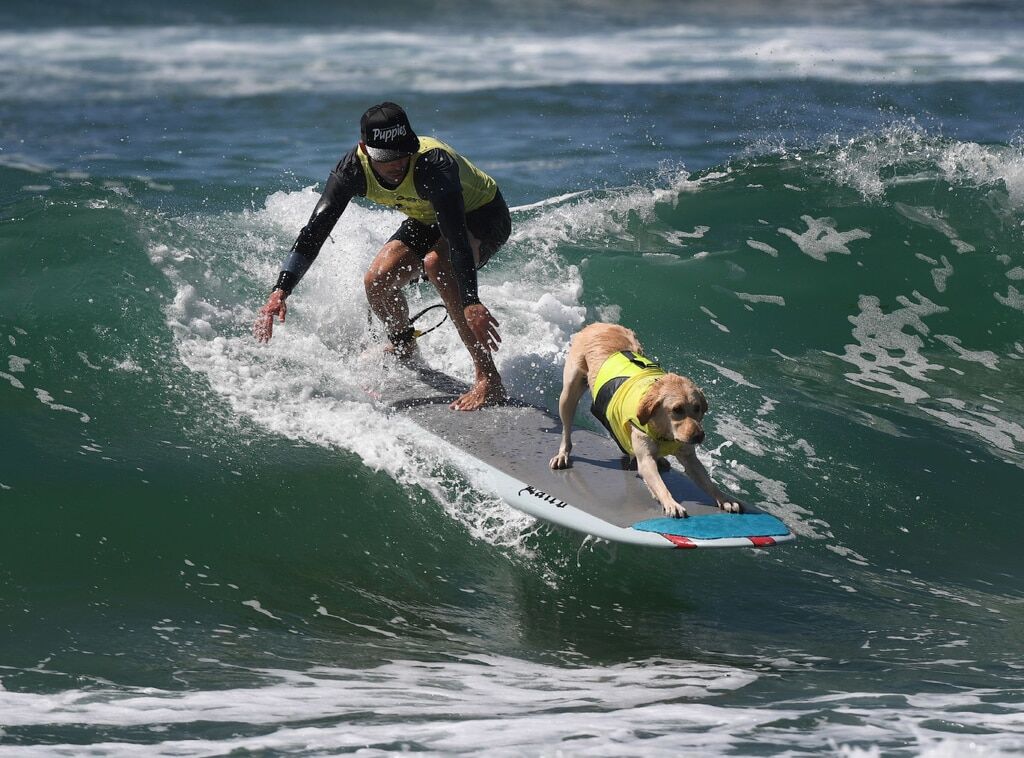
(647,466)
(574,384)
(687,455)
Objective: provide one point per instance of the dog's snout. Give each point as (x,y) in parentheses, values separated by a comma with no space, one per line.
(690,432)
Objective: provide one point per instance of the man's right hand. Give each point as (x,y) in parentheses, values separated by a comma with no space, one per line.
(483,325)
(263,329)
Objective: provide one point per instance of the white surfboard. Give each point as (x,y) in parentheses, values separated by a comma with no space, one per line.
(597,495)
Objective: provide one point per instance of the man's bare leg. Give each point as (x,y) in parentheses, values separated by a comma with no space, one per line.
(487,388)
(395,266)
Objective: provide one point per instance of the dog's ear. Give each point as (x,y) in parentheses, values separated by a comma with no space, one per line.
(649,403)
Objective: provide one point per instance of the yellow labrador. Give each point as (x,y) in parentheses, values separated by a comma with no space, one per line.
(650,413)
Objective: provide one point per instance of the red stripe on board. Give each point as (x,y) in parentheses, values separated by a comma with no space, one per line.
(762,541)
(678,541)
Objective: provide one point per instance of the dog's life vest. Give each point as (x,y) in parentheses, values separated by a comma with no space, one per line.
(621,383)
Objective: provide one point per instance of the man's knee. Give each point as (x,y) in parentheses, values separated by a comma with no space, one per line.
(389,270)
(377,280)
(370,275)
(432,265)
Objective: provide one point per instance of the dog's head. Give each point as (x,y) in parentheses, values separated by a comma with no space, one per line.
(674,407)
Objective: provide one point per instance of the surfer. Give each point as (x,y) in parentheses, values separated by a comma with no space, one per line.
(457,219)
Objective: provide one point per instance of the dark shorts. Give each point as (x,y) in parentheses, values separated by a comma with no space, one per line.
(490,223)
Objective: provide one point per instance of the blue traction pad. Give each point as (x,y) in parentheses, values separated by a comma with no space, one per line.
(716,526)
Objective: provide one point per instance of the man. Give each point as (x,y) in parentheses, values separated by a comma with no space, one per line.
(457,219)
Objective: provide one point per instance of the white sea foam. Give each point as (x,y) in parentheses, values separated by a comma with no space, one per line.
(872,164)
(502,706)
(986,358)
(730,374)
(46,399)
(19,365)
(1012,299)
(890,357)
(764,247)
(934,219)
(240,60)
(884,351)
(998,432)
(591,216)
(940,274)
(757,299)
(822,238)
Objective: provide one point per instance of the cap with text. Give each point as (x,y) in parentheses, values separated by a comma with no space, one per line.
(387,134)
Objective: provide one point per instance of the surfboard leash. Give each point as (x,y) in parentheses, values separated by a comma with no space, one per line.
(410,332)
(417,333)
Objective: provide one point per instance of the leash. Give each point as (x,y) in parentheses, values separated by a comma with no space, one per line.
(411,333)
(417,333)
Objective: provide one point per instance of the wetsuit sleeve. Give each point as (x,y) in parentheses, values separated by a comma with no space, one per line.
(437,180)
(346,181)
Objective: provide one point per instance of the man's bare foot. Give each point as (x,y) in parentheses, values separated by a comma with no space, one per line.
(484,392)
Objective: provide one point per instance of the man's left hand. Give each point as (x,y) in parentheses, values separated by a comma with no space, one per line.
(483,325)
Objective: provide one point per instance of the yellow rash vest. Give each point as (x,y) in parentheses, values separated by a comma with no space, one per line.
(621,383)
(478,188)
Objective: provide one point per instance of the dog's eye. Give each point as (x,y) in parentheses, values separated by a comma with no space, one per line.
(678,410)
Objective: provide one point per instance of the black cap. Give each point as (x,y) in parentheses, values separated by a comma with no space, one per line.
(387,133)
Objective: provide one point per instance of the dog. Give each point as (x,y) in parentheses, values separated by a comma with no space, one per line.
(650,413)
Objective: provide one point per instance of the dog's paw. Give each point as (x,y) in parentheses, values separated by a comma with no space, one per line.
(560,461)
(675,510)
(730,505)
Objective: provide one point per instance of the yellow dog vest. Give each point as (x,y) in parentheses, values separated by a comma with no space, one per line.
(621,383)
(478,188)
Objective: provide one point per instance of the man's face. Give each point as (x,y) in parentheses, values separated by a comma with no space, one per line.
(393,171)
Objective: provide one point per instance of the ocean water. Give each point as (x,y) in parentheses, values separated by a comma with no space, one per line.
(212,547)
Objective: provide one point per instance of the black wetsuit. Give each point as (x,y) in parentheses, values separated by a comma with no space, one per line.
(436,179)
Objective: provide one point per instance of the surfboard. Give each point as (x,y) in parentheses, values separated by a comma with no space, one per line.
(598,495)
